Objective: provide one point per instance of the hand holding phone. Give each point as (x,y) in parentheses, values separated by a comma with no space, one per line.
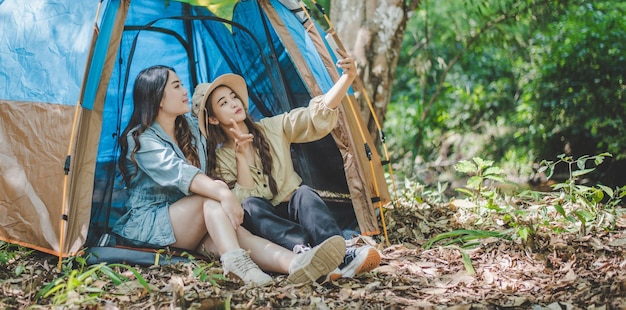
(333,46)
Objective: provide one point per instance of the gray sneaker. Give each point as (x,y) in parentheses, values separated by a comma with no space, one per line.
(318,261)
(238,263)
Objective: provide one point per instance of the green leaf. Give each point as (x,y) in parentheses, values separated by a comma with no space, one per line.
(81,278)
(465,166)
(221,8)
(559,208)
(550,171)
(474,182)
(495,178)
(523,232)
(578,173)
(115,277)
(607,190)
(493,171)
(584,216)
(580,162)
(463,235)
(19,269)
(481,163)
(598,195)
(137,275)
(466,192)
(467,262)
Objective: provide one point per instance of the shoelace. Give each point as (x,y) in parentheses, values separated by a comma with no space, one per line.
(350,256)
(243,263)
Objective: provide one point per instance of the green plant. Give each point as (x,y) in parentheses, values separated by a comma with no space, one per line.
(490,207)
(479,170)
(81,286)
(464,239)
(415,192)
(205,271)
(583,203)
(10,252)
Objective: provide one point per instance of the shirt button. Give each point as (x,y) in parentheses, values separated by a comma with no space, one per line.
(258,172)
(264,185)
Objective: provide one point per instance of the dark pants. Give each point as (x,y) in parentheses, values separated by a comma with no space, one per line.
(305,219)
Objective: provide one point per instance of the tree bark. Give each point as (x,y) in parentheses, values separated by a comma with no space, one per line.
(372,31)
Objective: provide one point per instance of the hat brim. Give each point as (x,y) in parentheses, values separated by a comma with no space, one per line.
(232,81)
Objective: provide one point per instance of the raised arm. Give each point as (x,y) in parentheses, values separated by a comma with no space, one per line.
(335,94)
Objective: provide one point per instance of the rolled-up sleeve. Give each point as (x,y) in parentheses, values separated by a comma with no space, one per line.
(308,123)
(159,162)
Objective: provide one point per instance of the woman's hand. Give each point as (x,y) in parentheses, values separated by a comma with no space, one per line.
(347,64)
(242,140)
(335,93)
(219,191)
(231,206)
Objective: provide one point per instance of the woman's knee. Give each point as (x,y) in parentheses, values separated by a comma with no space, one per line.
(212,207)
(306,192)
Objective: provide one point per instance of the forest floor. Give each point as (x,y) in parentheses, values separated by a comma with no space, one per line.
(552,269)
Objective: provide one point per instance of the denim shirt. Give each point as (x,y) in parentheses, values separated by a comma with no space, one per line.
(162,176)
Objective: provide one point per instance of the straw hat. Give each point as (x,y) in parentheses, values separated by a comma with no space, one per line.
(203,91)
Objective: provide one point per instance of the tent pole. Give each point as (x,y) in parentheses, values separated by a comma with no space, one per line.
(360,87)
(359,83)
(190,41)
(368,152)
(64,216)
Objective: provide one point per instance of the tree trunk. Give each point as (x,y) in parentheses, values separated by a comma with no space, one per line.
(372,31)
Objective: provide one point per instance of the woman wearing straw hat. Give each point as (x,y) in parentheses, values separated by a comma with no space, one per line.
(254,159)
(173,203)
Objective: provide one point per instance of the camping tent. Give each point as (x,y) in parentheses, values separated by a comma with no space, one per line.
(67,69)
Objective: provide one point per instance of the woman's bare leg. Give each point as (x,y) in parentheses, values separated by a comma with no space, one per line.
(268,255)
(194,217)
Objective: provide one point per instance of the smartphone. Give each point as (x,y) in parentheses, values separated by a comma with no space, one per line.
(333,45)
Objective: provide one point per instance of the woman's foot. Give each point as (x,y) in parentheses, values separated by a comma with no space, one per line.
(357,261)
(238,263)
(318,261)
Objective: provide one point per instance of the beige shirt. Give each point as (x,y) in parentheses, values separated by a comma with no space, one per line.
(299,125)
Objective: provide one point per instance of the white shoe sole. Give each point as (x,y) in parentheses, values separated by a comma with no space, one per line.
(321,260)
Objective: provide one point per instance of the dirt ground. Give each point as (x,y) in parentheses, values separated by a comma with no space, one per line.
(556,271)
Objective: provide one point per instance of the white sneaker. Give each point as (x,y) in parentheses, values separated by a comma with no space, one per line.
(238,263)
(358,260)
(318,261)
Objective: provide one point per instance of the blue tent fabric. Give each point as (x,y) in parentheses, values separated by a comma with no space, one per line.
(44,55)
(63,189)
(250,48)
(106,28)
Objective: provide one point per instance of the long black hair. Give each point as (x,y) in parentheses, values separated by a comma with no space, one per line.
(147,95)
